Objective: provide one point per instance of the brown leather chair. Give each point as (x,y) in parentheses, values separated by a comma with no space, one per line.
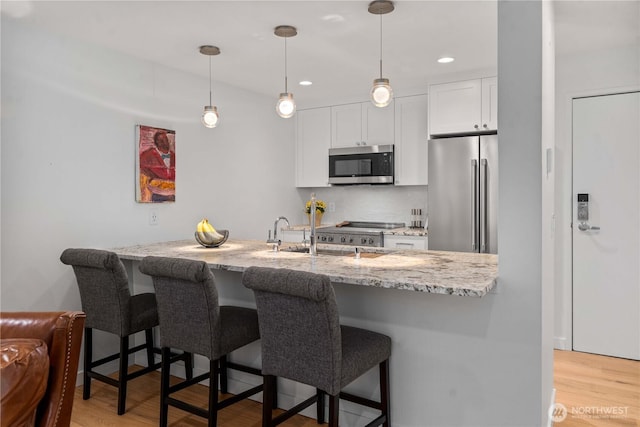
(62,334)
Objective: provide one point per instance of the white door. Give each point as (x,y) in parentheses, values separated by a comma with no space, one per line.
(606,260)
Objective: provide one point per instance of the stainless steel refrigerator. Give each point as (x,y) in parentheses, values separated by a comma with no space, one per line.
(463,194)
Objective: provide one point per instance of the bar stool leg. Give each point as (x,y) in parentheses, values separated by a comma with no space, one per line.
(188,365)
(268,400)
(224,382)
(334,409)
(214,368)
(122,375)
(164,386)
(149,343)
(320,406)
(88,347)
(384,392)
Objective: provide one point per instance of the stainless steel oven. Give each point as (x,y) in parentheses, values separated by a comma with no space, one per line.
(366,164)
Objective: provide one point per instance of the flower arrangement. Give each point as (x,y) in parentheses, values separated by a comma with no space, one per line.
(320,206)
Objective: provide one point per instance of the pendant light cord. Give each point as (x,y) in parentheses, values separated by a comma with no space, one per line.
(210,80)
(285,65)
(381,46)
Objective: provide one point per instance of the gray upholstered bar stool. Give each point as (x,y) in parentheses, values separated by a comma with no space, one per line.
(302,340)
(192,320)
(110,307)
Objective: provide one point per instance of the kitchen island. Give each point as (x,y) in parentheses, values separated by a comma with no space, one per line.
(453,273)
(437,307)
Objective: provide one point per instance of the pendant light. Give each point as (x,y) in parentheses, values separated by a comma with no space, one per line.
(286,106)
(210,116)
(381,92)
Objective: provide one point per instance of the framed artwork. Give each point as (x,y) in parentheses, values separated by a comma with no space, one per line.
(155,165)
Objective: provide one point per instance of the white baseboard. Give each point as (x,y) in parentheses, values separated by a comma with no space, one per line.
(561,343)
(551,407)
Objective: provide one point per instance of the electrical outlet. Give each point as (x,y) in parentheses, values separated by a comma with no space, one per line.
(332,207)
(153,218)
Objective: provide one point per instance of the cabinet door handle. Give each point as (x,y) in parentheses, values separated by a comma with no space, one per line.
(357,142)
(485,126)
(476,127)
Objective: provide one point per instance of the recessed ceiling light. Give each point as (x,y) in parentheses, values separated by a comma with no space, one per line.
(446,59)
(305,83)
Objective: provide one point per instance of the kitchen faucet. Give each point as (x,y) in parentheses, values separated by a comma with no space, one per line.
(313,244)
(275,241)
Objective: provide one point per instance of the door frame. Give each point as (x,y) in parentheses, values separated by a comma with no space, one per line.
(563,340)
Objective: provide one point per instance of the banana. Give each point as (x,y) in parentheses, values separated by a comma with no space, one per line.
(207,234)
(211,231)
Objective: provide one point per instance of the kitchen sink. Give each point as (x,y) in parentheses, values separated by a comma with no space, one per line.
(334,252)
(305,250)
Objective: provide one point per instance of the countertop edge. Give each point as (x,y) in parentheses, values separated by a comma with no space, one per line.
(478,286)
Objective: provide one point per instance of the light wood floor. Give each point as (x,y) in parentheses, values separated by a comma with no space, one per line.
(583,381)
(597,390)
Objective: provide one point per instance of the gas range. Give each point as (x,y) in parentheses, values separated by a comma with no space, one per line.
(356,233)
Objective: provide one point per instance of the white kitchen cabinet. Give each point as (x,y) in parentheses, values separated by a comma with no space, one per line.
(361,124)
(463,107)
(313,138)
(490,103)
(394,241)
(412,134)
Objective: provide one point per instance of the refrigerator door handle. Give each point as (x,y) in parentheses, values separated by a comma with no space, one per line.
(474,197)
(484,226)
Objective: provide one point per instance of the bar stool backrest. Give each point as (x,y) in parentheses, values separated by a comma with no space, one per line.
(188,307)
(104,289)
(299,326)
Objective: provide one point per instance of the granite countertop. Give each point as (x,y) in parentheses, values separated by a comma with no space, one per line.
(453,273)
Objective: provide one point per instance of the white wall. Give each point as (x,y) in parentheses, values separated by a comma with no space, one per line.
(69,112)
(590,73)
(526,373)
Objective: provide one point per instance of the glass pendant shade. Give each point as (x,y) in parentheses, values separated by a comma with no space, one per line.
(210,116)
(381,93)
(286,106)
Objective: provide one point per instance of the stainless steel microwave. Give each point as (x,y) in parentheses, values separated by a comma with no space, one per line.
(365,164)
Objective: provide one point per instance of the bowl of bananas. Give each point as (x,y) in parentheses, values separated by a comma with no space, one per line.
(208,236)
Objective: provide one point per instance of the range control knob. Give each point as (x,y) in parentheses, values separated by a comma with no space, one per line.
(371,240)
(323,238)
(350,239)
(330,238)
(363,240)
(343,239)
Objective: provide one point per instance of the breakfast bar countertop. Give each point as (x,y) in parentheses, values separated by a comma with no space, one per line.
(452,273)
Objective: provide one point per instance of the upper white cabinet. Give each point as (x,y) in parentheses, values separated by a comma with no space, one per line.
(463,107)
(412,134)
(313,138)
(361,124)
(490,103)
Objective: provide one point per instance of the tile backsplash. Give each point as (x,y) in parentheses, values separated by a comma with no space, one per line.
(385,203)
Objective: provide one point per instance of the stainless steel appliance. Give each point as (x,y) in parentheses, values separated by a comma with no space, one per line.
(357,233)
(463,194)
(365,164)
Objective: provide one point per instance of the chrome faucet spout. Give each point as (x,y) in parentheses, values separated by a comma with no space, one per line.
(275,226)
(275,241)
(313,244)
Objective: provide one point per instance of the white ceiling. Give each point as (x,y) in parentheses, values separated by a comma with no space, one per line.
(338,42)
